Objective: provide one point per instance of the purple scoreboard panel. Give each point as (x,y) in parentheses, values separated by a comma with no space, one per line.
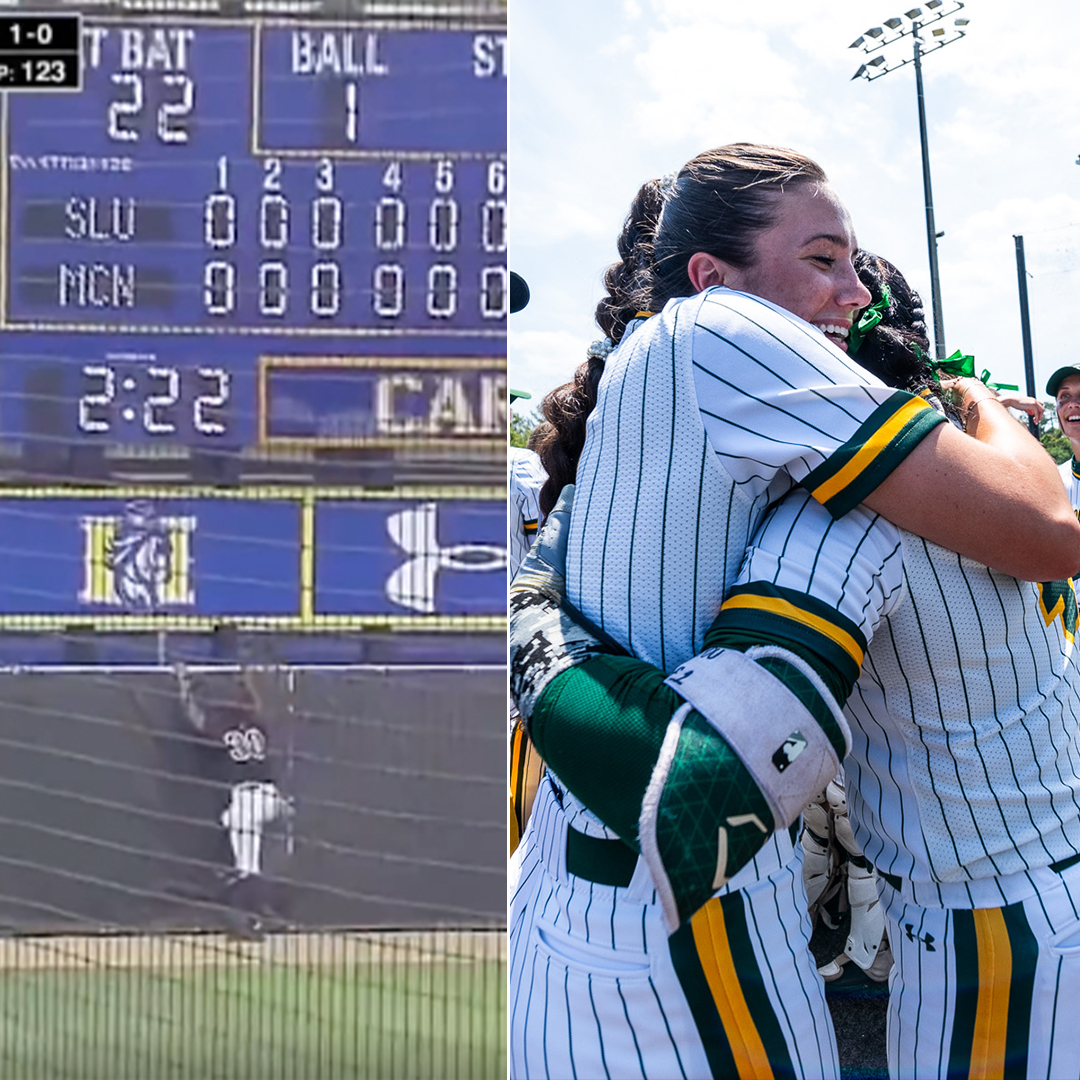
(245,232)
(285,559)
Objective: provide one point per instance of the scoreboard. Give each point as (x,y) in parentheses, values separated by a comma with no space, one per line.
(258,233)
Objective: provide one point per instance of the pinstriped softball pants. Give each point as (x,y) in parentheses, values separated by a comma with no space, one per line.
(989,992)
(597,988)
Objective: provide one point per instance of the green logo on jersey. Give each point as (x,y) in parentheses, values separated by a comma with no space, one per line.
(1057,598)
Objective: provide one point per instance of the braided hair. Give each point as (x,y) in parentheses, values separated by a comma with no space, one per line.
(897,349)
(718,203)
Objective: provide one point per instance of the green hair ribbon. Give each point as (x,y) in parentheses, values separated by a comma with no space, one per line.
(961,366)
(868,319)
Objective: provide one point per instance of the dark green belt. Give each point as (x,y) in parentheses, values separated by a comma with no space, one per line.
(608,862)
(1058,867)
(604,862)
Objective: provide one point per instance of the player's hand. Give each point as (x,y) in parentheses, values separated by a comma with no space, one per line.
(547,635)
(1022,403)
(180,670)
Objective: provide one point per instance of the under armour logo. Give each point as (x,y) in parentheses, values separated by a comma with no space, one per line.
(412,584)
(789,750)
(927,940)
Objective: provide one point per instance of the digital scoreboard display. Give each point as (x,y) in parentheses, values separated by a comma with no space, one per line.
(258,231)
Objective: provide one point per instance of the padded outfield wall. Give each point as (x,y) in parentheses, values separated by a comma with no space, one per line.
(108,821)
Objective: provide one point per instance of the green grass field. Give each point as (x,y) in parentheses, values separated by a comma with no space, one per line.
(380,1016)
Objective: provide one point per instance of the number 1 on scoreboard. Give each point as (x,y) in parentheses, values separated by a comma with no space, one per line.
(352,112)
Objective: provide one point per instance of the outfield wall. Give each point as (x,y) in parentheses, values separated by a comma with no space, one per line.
(109,822)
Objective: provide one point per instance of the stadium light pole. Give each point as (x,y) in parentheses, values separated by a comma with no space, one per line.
(878,37)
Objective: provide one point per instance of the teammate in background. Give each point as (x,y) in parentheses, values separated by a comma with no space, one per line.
(235,743)
(962,774)
(525,478)
(698,425)
(525,474)
(1064,388)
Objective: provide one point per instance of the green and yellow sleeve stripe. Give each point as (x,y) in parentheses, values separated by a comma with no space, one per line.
(882,441)
(761,613)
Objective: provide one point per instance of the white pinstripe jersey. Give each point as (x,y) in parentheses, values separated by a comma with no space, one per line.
(705,413)
(965,766)
(1070,475)
(525,478)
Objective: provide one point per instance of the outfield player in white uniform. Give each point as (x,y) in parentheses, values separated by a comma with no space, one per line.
(732,401)
(236,746)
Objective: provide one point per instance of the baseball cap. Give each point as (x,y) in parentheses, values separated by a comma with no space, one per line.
(515,394)
(1059,377)
(519,295)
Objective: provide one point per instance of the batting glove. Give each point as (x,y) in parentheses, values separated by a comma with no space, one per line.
(547,635)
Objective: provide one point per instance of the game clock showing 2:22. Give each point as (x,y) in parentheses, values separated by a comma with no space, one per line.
(220,193)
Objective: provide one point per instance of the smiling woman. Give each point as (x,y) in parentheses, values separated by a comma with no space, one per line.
(1064,387)
(802,263)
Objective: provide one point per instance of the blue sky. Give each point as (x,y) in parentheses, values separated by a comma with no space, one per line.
(607,94)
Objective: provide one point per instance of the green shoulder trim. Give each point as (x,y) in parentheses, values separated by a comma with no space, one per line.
(882,441)
(761,613)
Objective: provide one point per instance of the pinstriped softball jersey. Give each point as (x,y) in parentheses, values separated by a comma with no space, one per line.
(962,781)
(1070,474)
(705,413)
(526,478)
(966,717)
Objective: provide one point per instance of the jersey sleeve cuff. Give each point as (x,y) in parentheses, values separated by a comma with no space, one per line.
(762,613)
(881,442)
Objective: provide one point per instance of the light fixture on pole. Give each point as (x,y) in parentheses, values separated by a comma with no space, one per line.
(878,37)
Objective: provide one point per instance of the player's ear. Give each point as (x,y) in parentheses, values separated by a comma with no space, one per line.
(707,270)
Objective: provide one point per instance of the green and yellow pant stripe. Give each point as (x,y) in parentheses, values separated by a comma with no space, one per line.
(987,993)
(996,955)
(726,987)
